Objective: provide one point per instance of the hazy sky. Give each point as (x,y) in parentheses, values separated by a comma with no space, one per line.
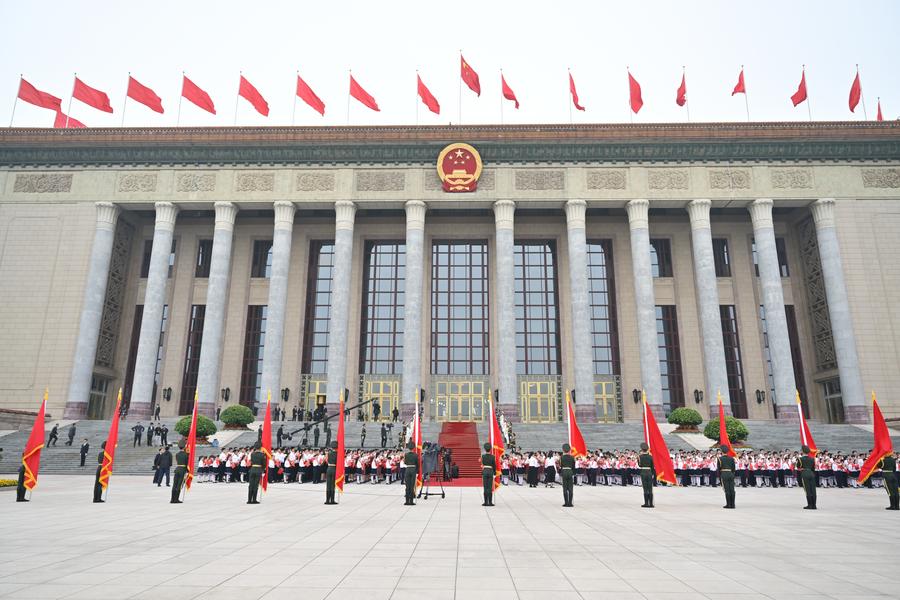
(385,42)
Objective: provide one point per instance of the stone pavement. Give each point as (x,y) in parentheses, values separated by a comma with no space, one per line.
(291,546)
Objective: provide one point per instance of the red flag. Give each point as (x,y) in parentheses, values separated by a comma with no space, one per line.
(191,445)
(634,91)
(883,444)
(508,93)
(469,76)
(339,465)
(800,95)
(681,94)
(723,430)
(417,440)
(112,440)
(576,440)
(141,93)
(63,121)
(266,440)
(190,91)
(31,455)
(574,93)
(252,95)
(662,462)
(307,95)
(91,96)
(879,116)
(32,95)
(855,93)
(497,446)
(740,88)
(427,98)
(362,95)
(806,438)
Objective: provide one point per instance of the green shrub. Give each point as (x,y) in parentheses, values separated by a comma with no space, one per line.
(8,483)
(737,431)
(205,427)
(685,416)
(237,414)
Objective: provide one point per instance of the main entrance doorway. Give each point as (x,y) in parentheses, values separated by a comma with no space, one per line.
(461,399)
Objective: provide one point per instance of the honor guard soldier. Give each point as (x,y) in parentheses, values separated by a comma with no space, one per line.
(181,463)
(257,467)
(98,489)
(411,460)
(20,484)
(726,475)
(648,472)
(806,464)
(330,474)
(889,472)
(567,470)
(488,468)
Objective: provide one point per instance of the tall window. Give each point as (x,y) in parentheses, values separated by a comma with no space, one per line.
(132,352)
(148,252)
(204,258)
(796,357)
(536,308)
(669,357)
(261,264)
(318,307)
(460,333)
(661,257)
(192,357)
(252,365)
(733,366)
(602,290)
(780,250)
(381,334)
(721,257)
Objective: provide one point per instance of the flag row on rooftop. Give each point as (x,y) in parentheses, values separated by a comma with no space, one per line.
(192,92)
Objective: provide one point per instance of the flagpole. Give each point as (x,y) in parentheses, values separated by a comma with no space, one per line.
(746,101)
(178,118)
(350,71)
(569,69)
(417,97)
(862,97)
(294,111)
(125,101)
(501,97)
(808,108)
(459,106)
(630,112)
(687,101)
(69,109)
(237,98)
(16,100)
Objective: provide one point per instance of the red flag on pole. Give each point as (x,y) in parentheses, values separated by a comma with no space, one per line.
(190,91)
(32,95)
(427,98)
(266,440)
(191,445)
(112,440)
(574,93)
(62,121)
(91,96)
(31,455)
(806,438)
(508,93)
(662,462)
(723,430)
(740,88)
(634,93)
(855,92)
(417,440)
(469,76)
(681,94)
(800,95)
(362,95)
(879,116)
(141,93)
(576,440)
(497,445)
(252,95)
(883,444)
(305,93)
(339,464)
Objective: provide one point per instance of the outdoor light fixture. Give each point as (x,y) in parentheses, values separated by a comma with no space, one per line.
(760,396)
(167,394)
(636,395)
(285,394)
(226,394)
(698,396)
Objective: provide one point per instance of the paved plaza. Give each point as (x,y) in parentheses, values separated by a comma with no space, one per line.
(372,547)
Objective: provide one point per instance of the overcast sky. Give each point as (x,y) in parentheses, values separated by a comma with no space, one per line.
(385,42)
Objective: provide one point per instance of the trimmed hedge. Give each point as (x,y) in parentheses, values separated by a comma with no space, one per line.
(237,414)
(205,427)
(685,416)
(737,431)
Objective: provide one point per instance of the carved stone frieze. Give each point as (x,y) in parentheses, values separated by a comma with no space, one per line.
(539,181)
(137,182)
(607,179)
(669,179)
(487,181)
(380,181)
(729,179)
(795,179)
(877,178)
(43,183)
(195,182)
(315,182)
(254,182)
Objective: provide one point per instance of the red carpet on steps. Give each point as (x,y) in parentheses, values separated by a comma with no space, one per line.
(462,439)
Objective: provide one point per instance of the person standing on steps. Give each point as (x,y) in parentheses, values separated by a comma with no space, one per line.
(54,436)
(567,471)
(648,472)
(726,475)
(164,435)
(138,432)
(362,436)
(488,469)
(806,464)
(279,435)
(71,435)
(316,436)
(85,448)
(411,461)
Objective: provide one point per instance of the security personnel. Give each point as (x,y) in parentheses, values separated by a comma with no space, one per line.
(648,472)
(567,470)
(181,463)
(257,467)
(807,466)
(726,475)
(330,474)
(411,461)
(488,469)
(889,472)
(98,489)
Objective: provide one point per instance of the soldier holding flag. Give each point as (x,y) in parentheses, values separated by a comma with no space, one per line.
(31,455)
(181,461)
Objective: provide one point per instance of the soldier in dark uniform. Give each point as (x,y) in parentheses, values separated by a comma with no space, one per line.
(328,434)
(362,436)
(20,485)
(257,466)
(488,469)
(807,466)
(567,470)
(383,435)
(411,461)
(889,472)
(648,472)
(181,463)
(330,474)
(316,436)
(98,489)
(726,474)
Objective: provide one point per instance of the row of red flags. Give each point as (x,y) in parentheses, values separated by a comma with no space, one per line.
(195,94)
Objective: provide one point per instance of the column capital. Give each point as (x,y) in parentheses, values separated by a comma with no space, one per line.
(415,214)
(823,212)
(761,213)
(345,212)
(107,215)
(698,211)
(504,213)
(575,213)
(638,213)
(225,215)
(166,212)
(284,215)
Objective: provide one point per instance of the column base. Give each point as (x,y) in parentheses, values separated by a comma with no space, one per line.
(407,411)
(585,413)
(509,411)
(858,415)
(786,413)
(659,412)
(714,410)
(75,411)
(137,412)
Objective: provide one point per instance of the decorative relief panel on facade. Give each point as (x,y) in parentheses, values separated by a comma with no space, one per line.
(115,295)
(729,179)
(792,179)
(668,179)
(254,182)
(137,182)
(540,181)
(43,183)
(872,178)
(607,179)
(315,182)
(816,300)
(380,181)
(195,182)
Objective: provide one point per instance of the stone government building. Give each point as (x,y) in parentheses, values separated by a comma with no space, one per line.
(753,259)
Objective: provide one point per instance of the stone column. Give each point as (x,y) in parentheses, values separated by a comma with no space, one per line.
(338,324)
(216,299)
(91,312)
(277,303)
(855,408)
(708,301)
(151,321)
(645,303)
(504,299)
(412,310)
(773,302)
(583,356)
